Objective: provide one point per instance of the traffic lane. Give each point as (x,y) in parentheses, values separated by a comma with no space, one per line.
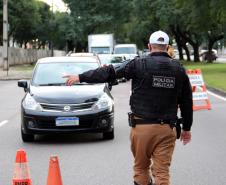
(203,160)
(89,159)
(84,159)
(10,99)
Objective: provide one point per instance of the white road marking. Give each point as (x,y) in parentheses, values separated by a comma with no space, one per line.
(217,96)
(3,123)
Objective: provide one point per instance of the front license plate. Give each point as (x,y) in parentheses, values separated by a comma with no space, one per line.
(67,121)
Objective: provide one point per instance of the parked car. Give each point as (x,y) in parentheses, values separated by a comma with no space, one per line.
(107,59)
(51,107)
(208,56)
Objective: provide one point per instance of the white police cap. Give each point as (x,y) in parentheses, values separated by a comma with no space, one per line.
(159,37)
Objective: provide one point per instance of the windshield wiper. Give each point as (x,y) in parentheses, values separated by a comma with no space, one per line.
(52,84)
(64,84)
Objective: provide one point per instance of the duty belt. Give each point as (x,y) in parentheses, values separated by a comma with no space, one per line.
(140,121)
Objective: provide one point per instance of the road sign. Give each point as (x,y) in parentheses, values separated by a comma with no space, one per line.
(199,92)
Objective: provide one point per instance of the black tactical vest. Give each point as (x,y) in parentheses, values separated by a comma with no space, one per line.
(156,88)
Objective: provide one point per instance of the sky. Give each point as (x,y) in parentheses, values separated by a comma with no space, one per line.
(58,5)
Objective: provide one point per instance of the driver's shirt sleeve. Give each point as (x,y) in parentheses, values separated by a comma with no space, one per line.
(108,73)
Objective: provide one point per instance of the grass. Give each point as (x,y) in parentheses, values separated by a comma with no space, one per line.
(214,74)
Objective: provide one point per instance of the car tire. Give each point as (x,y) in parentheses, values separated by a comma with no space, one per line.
(27,137)
(108,135)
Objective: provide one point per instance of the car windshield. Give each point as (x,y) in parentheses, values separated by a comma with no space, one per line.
(52,73)
(125,50)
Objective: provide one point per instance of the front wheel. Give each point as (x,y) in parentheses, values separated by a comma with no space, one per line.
(108,135)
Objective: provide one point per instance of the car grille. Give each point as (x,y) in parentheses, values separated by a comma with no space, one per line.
(50,124)
(66,107)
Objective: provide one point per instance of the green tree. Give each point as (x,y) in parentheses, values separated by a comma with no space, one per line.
(28,20)
(97,16)
(43,29)
(201,23)
(64,34)
(23,19)
(143,22)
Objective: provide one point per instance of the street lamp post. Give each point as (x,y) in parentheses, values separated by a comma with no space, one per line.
(5,36)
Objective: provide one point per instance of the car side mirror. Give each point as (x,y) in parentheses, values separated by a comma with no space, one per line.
(23,83)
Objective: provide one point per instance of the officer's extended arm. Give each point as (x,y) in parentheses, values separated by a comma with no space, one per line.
(103,74)
(99,75)
(107,73)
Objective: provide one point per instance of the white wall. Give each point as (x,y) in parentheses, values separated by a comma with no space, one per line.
(27,56)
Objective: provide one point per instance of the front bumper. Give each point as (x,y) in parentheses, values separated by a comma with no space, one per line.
(45,122)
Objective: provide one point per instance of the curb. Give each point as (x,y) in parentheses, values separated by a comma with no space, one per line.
(217,91)
(15,78)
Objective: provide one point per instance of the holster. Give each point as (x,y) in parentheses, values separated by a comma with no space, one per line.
(178,127)
(131,120)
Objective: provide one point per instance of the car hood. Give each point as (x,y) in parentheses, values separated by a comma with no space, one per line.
(67,94)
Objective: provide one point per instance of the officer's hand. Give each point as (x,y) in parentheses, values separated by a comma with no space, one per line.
(71,79)
(185,137)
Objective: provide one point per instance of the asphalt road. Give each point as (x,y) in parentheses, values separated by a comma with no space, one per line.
(87,160)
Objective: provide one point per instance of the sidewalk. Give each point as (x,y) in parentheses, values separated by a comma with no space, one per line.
(14,74)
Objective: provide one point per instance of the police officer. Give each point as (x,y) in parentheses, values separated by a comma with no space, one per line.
(159,86)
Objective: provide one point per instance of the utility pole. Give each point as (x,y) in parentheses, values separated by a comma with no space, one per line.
(5,36)
(52,52)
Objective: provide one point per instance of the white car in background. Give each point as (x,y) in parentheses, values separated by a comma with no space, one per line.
(205,54)
(109,59)
(129,51)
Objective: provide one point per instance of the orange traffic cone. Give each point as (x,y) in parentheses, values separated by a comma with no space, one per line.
(54,175)
(21,172)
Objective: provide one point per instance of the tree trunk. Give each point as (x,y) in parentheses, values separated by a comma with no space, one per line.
(184,45)
(13,42)
(194,43)
(196,52)
(209,53)
(210,56)
(187,52)
(40,45)
(25,44)
(177,38)
(70,45)
(180,50)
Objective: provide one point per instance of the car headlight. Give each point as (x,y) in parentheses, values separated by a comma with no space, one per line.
(30,103)
(103,103)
